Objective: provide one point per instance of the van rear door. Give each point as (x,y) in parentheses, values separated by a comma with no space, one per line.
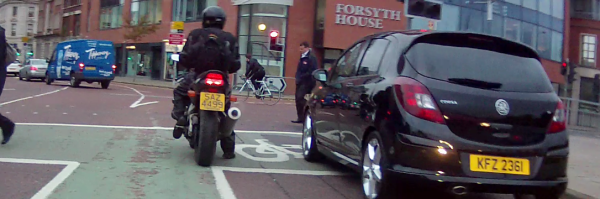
(99,59)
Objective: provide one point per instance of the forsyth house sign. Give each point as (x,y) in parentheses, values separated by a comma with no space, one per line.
(352,15)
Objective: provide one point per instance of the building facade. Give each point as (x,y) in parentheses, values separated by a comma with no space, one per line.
(328,25)
(20,18)
(58,21)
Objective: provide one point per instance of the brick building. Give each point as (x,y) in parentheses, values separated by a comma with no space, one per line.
(329,25)
(58,21)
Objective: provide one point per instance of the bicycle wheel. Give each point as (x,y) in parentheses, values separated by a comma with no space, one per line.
(245,94)
(271,95)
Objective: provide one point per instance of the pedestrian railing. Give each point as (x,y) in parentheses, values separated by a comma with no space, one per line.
(582,115)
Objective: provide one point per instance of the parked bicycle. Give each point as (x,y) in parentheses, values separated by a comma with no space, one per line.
(268,93)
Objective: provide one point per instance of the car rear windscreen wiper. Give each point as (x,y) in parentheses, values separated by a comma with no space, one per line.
(475,83)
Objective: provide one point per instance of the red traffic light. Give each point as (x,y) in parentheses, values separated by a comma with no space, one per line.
(274,34)
(564,64)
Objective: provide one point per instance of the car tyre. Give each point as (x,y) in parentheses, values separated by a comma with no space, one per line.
(74,82)
(376,183)
(20,78)
(27,77)
(47,79)
(309,140)
(105,84)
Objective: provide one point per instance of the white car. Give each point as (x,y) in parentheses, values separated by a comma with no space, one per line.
(14,68)
(34,68)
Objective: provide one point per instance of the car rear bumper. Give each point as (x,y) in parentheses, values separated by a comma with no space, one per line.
(83,77)
(441,182)
(12,70)
(37,74)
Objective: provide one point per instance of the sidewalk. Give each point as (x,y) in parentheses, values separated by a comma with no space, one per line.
(145,81)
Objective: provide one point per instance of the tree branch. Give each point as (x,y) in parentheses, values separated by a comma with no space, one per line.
(135,31)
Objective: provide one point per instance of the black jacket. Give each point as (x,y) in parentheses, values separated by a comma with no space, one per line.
(187,57)
(253,67)
(306,66)
(2,59)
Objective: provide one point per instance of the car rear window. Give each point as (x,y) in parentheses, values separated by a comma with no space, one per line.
(508,72)
(38,62)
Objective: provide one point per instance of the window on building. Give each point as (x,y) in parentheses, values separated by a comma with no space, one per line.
(588,50)
(558,8)
(495,26)
(89,16)
(111,12)
(29,29)
(531,4)
(544,6)
(512,29)
(150,9)
(13,29)
(544,40)
(529,35)
(31,11)
(557,43)
(14,12)
(190,10)
(373,56)
(76,24)
(471,20)
(586,90)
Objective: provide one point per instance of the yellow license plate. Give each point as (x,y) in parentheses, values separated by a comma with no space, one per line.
(90,68)
(495,164)
(212,101)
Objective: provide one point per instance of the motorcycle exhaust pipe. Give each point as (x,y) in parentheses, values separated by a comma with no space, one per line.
(227,124)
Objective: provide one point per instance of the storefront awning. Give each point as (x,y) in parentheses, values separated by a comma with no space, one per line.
(278,2)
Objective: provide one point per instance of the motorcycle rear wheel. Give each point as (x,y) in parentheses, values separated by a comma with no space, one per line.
(206,136)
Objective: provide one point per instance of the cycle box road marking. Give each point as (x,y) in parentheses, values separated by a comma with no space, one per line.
(43,193)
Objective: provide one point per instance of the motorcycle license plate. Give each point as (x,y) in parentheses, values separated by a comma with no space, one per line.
(212,101)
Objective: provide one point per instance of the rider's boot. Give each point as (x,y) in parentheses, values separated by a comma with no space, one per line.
(179,107)
(228,146)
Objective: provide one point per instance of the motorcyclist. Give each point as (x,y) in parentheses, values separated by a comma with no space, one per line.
(213,21)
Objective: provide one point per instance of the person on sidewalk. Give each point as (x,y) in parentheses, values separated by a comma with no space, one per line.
(7,126)
(254,71)
(304,80)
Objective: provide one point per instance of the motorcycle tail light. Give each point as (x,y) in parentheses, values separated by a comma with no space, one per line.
(214,79)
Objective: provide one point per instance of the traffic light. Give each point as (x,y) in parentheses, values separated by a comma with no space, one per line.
(274,41)
(18,52)
(423,8)
(571,76)
(30,53)
(563,68)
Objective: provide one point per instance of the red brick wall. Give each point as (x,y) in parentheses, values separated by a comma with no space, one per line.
(579,27)
(300,28)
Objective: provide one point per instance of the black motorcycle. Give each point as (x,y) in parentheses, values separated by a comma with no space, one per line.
(210,115)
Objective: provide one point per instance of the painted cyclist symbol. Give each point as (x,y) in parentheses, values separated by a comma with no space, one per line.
(268,152)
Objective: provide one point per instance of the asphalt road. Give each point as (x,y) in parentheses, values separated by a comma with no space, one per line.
(115,143)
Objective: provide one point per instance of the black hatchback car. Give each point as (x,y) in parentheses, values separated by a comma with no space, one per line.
(461,112)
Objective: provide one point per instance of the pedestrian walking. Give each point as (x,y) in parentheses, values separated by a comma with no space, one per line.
(304,80)
(7,56)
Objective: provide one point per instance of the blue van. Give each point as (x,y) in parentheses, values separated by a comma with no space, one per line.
(82,61)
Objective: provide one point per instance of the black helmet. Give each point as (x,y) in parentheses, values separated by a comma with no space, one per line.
(213,17)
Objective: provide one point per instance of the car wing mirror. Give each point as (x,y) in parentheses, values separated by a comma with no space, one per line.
(320,75)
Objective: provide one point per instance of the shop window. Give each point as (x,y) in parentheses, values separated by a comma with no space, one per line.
(151,9)
(544,40)
(588,50)
(529,35)
(512,29)
(190,10)
(557,46)
(111,12)
(373,57)
(471,20)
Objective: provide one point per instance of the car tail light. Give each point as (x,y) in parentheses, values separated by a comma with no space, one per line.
(33,68)
(81,65)
(114,67)
(416,100)
(559,120)
(214,79)
(20,65)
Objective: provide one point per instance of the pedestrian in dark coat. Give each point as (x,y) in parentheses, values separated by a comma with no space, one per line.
(7,126)
(304,81)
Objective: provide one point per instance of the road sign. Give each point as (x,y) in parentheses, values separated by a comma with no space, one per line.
(431,25)
(25,39)
(177,27)
(176,38)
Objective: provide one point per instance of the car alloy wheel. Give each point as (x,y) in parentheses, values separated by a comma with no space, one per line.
(307,138)
(372,173)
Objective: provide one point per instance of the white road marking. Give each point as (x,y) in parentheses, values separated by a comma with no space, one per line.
(142,96)
(148,128)
(34,96)
(70,166)
(64,113)
(146,95)
(226,191)
(47,105)
(94,114)
(35,113)
(7,112)
(9,89)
